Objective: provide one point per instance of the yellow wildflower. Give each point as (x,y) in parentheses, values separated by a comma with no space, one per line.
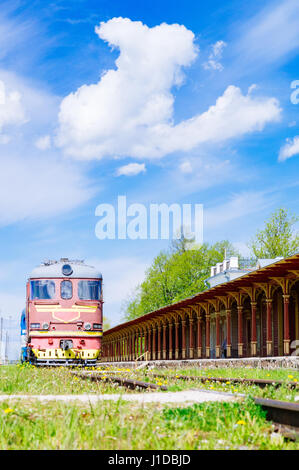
(8,410)
(241,421)
(290,376)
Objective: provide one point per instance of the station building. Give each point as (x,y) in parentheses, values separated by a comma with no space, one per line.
(245,312)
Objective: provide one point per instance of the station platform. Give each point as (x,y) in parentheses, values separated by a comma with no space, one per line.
(289,362)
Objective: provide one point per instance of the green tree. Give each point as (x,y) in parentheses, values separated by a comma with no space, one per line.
(106,324)
(175,275)
(278,237)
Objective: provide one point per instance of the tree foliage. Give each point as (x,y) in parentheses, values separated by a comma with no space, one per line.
(181,272)
(106,324)
(174,275)
(278,237)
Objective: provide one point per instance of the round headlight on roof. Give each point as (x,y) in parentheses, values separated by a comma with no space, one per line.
(67,270)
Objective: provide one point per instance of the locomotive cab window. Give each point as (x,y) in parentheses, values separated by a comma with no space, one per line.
(42,289)
(66,290)
(89,290)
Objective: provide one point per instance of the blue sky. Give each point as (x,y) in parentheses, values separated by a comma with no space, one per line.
(161,101)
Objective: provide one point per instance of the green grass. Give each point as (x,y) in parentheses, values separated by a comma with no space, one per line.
(244,372)
(284,392)
(27,379)
(121,425)
(111,425)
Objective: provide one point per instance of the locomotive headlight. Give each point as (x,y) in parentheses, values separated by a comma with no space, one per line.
(45,326)
(87,326)
(97,326)
(34,325)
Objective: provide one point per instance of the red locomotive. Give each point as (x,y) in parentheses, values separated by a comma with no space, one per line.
(64,314)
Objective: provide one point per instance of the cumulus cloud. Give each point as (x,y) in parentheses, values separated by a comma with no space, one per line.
(11,110)
(290,149)
(131,169)
(129,112)
(216,54)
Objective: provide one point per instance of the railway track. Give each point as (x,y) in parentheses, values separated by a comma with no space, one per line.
(260,382)
(123,381)
(283,415)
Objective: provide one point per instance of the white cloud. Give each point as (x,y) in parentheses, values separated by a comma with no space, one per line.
(270,35)
(216,54)
(116,115)
(38,188)
(290,149)
(186,167)
(129,112)
(43,142)
(11,109)
(239,205)
(131,169)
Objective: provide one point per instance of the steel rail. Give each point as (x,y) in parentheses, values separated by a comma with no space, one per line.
(259,382)
(280,412)
(130,383)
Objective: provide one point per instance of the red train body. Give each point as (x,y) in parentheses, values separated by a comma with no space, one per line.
(64,314)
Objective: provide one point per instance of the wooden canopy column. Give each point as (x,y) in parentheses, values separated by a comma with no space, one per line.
(154,343)
(286,324)
(208,335)
(149,342)
(164,341)
(252,292)
(238,297)
(269,327)
(176,338)
(199,335)
(183,338)
(159,342)
(191,340)
(204,306)
(145,342)
(285,284)
(170,346)
(253,328)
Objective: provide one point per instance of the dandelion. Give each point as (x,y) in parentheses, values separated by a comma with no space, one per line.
(290,376)
(8,410)
(241,421)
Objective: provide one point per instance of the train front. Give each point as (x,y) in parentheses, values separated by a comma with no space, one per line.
(64,314)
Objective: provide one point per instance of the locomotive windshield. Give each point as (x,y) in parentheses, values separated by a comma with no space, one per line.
(42,289)
(66,290)
(89,290)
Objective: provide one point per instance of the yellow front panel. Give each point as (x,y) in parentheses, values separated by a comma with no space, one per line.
(69,354)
